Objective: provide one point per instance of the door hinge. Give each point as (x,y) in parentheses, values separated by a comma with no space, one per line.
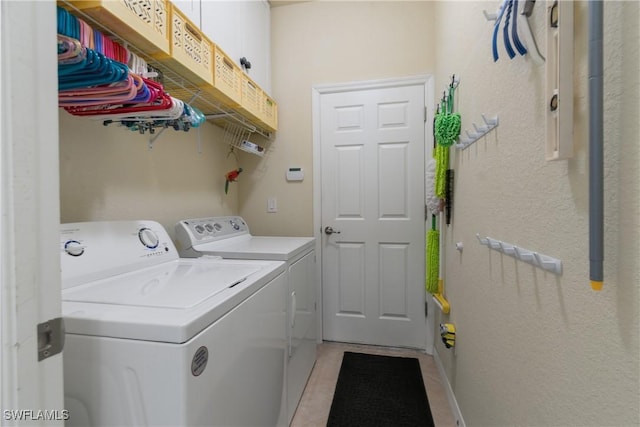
(50,338)
(426,309)
(425,114)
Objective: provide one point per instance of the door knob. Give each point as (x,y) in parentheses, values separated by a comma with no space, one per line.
(329,231)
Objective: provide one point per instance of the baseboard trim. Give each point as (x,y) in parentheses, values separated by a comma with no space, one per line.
(451,397)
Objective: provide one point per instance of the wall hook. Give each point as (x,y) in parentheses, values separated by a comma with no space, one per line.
(490,122)
(548,263)
(484,242)
(494,244)
(480,130)
(523,254)
(507,248)
(455,82)
(490,16)
(537,259)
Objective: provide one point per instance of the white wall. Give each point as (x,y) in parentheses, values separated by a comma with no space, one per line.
(318,43)
(534,348)
(109,173)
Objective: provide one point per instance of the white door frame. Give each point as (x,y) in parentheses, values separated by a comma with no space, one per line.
(30,213)
(317,92)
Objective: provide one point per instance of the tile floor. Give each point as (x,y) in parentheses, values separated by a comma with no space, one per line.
(313,409)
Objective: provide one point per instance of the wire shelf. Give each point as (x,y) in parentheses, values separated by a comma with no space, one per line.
(177,85)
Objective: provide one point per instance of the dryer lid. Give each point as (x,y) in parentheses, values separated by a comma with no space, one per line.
(180,284)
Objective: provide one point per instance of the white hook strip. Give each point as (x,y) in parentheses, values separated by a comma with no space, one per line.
(480,131)
(536,259)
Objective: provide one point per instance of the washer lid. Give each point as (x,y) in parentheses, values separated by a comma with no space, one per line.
(258,247)
(181,284)
(169,303)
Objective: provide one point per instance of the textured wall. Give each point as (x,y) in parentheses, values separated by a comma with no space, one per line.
(534,348)
(109,173)
(318,43)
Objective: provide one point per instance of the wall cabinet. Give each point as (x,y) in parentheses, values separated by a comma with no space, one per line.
(242,28)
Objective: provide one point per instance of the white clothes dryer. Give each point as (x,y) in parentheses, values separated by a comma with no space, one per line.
(229,237)
(155,340)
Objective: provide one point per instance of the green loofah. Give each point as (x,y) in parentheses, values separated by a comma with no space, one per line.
(433,260)
(442,164)
(447,128)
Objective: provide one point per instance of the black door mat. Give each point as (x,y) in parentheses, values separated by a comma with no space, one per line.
(374,390)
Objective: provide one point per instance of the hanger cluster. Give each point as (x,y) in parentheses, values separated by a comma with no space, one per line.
(96,79)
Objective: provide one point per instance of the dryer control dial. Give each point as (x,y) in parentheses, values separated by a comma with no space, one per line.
(73,248)
(234,225)
(148,238)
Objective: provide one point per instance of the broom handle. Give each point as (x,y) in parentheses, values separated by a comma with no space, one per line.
(441,251)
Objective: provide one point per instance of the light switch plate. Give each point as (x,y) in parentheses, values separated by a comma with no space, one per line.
(272,205)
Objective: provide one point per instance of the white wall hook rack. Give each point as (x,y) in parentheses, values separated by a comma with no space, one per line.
(479,132)
(536,259)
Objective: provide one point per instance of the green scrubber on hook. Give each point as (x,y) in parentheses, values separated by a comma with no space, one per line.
(447,127)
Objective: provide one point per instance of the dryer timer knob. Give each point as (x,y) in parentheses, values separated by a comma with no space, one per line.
(148,238)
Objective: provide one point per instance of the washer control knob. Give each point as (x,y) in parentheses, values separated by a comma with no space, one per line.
(148,238)
(73,248)
(234,225)
(217,226)
(200,229)
(209,227)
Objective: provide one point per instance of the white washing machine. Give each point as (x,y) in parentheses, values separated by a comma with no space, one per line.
(229,237)
(155,340)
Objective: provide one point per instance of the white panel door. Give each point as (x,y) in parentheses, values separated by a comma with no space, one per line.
(372,147)
(31,391)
